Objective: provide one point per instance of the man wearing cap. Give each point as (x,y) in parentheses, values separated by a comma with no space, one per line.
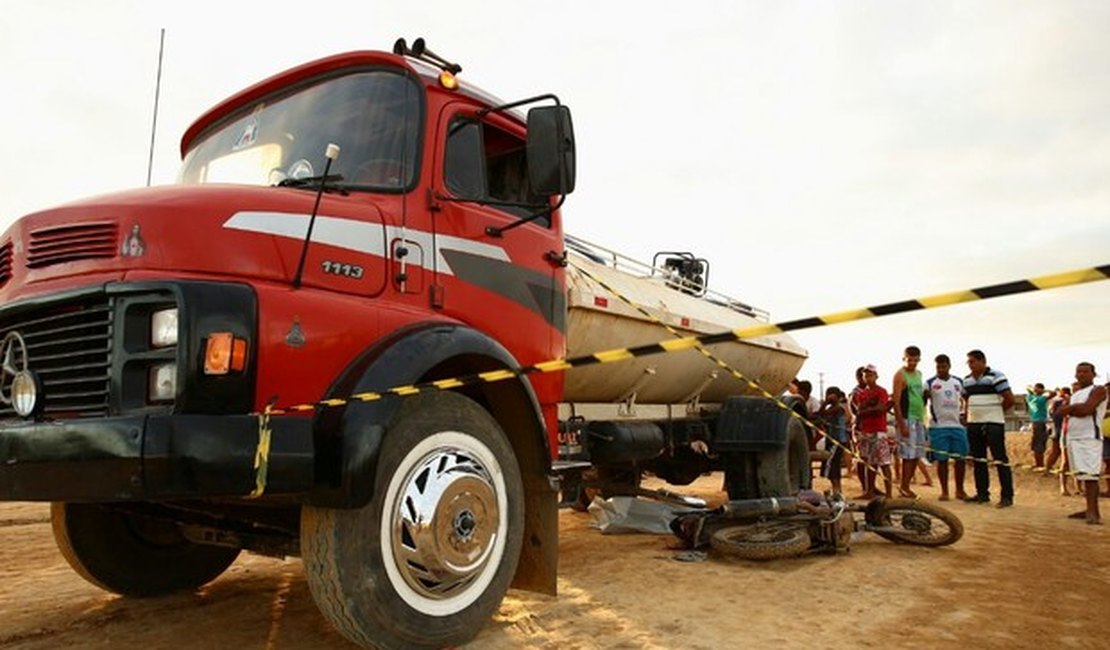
(872,403)
(988,396)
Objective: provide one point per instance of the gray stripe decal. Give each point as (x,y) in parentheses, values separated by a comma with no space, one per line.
(530,289)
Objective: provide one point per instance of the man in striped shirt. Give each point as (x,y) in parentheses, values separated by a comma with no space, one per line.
(988,397)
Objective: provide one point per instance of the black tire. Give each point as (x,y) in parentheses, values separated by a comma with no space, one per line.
(133,555)
(740,476)
(384,581)
(785,471)
(908,521)
(765,541)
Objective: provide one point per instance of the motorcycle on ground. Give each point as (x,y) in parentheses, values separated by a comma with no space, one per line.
(772,528)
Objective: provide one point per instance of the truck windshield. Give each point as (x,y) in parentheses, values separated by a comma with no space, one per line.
(372,116)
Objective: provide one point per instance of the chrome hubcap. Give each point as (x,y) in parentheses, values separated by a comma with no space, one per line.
(444,522)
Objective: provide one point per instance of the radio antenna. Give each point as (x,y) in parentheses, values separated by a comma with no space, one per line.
(157,90)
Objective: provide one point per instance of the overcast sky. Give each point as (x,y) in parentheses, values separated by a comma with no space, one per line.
(823,156)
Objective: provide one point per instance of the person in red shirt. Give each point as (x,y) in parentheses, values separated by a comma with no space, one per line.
(872,403)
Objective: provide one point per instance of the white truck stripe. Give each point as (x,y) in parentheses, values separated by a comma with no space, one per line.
(359,236)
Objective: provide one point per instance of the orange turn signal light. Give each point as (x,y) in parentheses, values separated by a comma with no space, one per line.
(448,80)
(224,353)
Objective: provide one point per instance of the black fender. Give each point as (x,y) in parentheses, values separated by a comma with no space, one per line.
(749,423)
(348,438)
(753,436)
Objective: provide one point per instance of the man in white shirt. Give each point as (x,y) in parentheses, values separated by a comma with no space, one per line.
(1085,412)
(948,438)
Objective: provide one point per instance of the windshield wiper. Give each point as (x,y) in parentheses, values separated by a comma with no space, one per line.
(328,183)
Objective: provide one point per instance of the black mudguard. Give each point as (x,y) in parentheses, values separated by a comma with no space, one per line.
(348,438)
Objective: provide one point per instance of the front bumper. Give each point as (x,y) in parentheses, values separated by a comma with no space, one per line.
(152,458)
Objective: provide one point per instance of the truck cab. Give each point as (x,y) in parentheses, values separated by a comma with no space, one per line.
(307,347)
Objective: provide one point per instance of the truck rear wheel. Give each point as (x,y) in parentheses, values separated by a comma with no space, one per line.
(428,560)
(785,471)
(133,555)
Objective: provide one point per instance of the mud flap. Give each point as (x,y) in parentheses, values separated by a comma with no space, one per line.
(539,554)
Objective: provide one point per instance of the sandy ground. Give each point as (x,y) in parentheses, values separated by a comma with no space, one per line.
(1021,578)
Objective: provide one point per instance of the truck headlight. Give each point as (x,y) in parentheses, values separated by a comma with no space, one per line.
(162,384)
(163,328)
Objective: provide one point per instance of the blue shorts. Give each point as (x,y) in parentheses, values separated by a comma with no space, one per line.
(949,441)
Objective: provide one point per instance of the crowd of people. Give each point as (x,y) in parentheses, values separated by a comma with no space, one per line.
(953,422)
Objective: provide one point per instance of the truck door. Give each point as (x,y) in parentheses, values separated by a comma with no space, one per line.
(510,281)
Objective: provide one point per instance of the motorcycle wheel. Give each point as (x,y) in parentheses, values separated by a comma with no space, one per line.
(769,541)
(907,521)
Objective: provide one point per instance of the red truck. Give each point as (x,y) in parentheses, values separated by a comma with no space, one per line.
(355,224)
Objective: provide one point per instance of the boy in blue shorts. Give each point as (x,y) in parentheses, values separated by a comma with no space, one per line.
(944,396)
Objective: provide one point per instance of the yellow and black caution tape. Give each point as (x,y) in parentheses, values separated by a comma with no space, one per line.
(1054,281)
(1040,283)
(262,454)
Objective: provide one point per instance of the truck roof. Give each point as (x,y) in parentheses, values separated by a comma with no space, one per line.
(313,69)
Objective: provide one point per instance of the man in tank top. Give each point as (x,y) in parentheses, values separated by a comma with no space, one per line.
(909,417)
(1085,412)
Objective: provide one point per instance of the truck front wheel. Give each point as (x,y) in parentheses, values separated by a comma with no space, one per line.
(428,560)
(132,555)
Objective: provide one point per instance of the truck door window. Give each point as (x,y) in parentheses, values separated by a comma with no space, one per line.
(465,168)
(483,162)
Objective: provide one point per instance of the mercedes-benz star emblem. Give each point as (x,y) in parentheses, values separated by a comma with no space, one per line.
(13,361)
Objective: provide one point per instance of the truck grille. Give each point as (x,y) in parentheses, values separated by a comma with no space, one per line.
(71,243)
(5,263)
(70,348)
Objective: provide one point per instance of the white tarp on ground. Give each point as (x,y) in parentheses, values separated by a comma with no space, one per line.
(631,515)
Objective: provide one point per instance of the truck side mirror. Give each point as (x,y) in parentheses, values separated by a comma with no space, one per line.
(550,150)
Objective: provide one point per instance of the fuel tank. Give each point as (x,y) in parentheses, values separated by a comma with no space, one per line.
(598,320)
